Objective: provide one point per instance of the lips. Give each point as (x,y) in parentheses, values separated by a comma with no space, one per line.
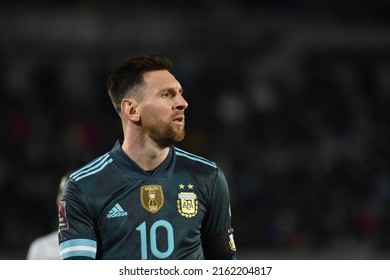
(179,118)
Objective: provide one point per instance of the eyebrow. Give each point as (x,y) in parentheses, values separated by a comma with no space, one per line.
(172,89)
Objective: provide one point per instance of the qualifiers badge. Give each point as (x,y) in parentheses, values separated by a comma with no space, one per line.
(152,198)
(62,221)
(187,203)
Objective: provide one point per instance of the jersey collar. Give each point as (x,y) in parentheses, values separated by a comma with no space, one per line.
(133,170)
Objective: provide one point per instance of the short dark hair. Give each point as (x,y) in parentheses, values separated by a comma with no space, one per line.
(129,75)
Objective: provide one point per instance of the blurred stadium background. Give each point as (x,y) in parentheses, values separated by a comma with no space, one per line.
(291,98)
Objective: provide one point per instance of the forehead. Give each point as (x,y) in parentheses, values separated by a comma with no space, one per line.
(161,79)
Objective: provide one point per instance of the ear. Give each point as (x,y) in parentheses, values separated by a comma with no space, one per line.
(129,109)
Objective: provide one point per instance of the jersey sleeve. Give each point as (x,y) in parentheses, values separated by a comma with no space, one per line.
(76,235)
(217,233)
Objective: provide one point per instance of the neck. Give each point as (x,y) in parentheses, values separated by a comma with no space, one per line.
(146,153)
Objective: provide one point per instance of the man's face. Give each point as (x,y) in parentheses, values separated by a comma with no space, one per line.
(161,107)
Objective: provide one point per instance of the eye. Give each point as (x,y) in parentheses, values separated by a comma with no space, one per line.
(167,94)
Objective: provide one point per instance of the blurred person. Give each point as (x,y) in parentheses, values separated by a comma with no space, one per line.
(146,198)
(46,247)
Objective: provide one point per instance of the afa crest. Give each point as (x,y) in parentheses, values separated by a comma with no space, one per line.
(152,198)
(187,203)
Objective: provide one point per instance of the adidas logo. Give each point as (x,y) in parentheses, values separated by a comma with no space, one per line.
(116,211)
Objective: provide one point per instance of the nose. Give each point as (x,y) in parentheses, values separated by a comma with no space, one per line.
(181,103)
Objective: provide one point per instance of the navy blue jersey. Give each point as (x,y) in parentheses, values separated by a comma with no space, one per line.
(113,209)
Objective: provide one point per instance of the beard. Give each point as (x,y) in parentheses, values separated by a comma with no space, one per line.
(166,134)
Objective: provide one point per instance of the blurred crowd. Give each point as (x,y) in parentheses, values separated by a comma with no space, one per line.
(292,103)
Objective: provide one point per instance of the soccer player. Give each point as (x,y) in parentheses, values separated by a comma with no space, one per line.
(146,198)
(46,247)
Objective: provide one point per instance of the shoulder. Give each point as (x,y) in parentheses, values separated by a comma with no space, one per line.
(195,160)
(93,168)
(94,180)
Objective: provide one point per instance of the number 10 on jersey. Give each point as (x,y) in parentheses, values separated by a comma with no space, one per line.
(142,228)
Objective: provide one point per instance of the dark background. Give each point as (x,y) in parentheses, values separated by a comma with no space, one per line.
(290,97)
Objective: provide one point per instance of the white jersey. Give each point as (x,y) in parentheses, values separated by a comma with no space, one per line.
(45,248)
